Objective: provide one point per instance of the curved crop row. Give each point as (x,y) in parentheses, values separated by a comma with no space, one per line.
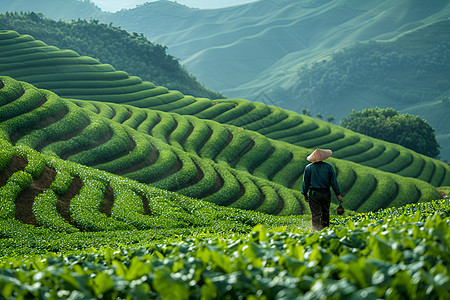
(265,158)
(60,128)
(73,76)
(79,198)
(219,163)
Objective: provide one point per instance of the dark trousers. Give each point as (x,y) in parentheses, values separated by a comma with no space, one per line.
(319,203)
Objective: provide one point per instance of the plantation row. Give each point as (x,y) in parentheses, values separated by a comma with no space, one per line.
(76,77)
(189,163)
(62,196)
(387,258)
(249,151)
(41,120)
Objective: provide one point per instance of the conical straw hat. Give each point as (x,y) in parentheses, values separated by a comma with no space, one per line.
(319,155)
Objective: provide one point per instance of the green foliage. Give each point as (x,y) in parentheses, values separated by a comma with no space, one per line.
(61,183)
(45,211)
(109,44)
(84,209)
(5,158)
(388,255)
(387,124)
(19,181)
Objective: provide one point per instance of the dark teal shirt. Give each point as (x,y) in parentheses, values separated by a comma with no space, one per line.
(320,175)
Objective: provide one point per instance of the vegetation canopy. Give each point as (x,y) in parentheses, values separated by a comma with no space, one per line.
(387,124)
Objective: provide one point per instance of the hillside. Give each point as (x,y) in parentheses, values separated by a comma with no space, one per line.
(262,44)
(410,70)
(409,73)
(220,163)
(132,53)
(43,121)
(74,76)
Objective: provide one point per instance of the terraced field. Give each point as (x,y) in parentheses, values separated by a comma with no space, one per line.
(41,120)
(46,196)
(223,164)
(76,77)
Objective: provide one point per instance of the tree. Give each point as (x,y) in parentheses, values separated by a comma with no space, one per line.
(387,124)
(330,119)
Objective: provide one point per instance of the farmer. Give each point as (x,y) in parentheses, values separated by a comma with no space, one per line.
(318,177)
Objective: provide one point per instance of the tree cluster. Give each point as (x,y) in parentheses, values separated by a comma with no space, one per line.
(389,125)
(132,53)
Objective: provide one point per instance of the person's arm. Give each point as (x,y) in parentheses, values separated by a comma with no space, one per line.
(306,183)
(335,185)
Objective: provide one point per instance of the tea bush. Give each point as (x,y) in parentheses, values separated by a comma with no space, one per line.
(46,213)
(390,255)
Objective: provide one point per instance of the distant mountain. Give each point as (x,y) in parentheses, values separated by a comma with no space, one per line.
(410,73)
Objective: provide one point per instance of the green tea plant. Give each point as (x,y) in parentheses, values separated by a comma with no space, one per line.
(388,257)
(45,211)
(9,192)
(84,209)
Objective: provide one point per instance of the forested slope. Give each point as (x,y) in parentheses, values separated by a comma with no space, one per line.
(410,70)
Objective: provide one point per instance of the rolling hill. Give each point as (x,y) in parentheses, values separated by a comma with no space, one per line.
(200,158)
(218,163)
